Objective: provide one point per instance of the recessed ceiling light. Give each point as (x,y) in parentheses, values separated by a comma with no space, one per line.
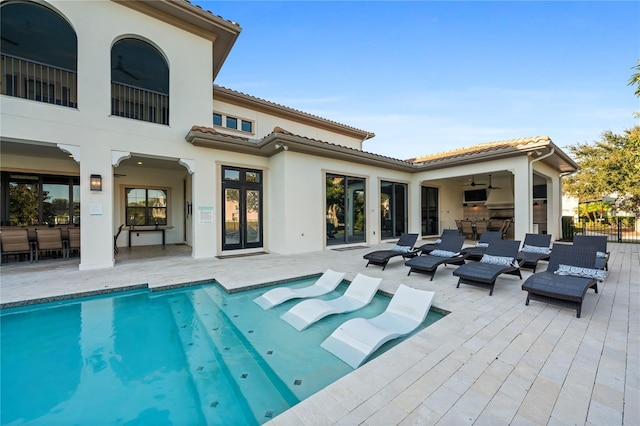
(139,163)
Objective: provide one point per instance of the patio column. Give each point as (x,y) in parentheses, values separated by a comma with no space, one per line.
(206,208)
(522,185)
(96,208)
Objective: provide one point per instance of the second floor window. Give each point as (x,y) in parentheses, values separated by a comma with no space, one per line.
(139,82)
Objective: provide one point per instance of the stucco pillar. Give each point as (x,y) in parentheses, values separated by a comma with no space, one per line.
(205,209)
(554,207)
(96,209)
(522,187)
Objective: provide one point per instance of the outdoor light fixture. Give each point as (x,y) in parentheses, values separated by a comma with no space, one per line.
(95,183)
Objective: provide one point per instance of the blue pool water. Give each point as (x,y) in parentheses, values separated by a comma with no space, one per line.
(188,356)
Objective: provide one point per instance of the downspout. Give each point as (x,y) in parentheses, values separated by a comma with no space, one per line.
(550,153)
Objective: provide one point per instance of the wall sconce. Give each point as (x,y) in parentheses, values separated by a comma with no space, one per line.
(95,183)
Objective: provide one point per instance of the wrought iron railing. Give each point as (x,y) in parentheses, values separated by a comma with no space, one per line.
(139,104)
(38,81)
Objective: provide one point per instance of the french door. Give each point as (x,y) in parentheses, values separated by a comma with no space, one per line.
(345,209)
(429,216)
(393,209)
(242,208)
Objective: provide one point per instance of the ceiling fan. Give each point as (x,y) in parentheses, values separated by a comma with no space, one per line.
(120,67)
(473,182)
(491,186)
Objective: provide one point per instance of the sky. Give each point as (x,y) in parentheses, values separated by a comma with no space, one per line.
(429,76)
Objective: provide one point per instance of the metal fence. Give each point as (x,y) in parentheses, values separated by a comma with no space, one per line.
(624,229)
(26,79)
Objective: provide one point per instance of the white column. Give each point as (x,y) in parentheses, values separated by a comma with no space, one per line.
(522,188)
(96,210)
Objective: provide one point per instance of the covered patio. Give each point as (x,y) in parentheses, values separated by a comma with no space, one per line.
(492,360)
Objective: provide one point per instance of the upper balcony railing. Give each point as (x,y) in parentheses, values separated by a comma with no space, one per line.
(139,104)
(37,81)
(41,82)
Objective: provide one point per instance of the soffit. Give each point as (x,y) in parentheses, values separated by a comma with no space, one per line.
(182,14)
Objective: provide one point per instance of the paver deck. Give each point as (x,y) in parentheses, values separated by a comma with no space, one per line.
(492,360)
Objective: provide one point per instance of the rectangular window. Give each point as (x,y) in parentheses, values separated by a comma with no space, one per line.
(145,206)
(232,123)
(39,200)
(217,119)
(247,126)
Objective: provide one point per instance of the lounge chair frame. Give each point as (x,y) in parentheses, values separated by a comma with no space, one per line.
(563,290)
(382,257)
(476,253)
(359,294)
(600,243)
(428,264)
(530,260)
(326,283)
(484,275)
(428,247)
(355,340)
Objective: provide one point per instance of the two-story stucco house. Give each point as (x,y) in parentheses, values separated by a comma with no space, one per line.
(110,120)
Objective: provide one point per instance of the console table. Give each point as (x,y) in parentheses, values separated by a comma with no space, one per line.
(136,230)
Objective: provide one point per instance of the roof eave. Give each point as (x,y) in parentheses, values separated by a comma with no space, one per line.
(224,94)
(273,144)
(222,33)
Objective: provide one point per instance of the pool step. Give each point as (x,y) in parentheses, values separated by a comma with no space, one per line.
(255,383)
(219,404)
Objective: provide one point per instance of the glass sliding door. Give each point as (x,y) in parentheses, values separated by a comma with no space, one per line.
(345,209)
(242,208)
(393,209)
(429,208)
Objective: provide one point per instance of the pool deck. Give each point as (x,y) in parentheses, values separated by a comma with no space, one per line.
(492,360)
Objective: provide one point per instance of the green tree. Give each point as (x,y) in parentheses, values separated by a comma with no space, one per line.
(608,167)
(635,79)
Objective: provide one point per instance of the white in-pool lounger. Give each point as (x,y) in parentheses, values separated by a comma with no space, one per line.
(325,284)
(358,295)
(358,338)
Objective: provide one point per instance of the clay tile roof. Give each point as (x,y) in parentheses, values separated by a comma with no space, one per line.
(212,131)
(279,130)
(521,143)
(368,134)
(211,13)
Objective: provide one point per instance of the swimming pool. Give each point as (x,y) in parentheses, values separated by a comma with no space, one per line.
(194,355)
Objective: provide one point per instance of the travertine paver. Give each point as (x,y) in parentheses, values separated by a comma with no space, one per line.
(492,360)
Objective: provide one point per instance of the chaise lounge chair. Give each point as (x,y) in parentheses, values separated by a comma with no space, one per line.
(476,252)
(552,286)
(325,284)
(404,247)
(426,248)
(600,242)
(356,339)
(448,253)
(500,258)
(534,249)
(357,296)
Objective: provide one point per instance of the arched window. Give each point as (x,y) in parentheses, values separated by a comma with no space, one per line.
(39,54)
(139,82)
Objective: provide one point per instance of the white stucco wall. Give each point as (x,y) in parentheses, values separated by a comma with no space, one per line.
(91,128)
(265,123)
